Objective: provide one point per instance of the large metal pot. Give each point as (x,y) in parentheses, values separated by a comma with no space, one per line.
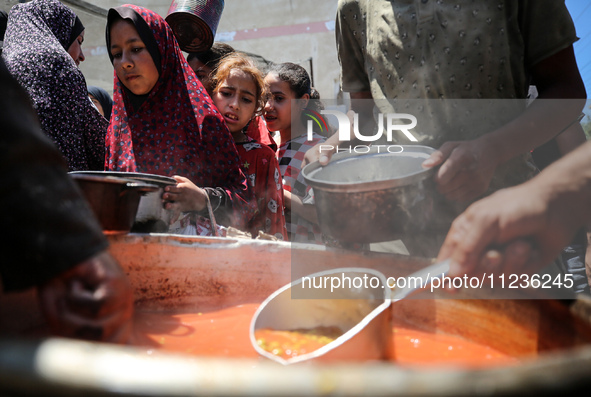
(151,216)
(379,195)
(194,22)
(114,201)
(177,274)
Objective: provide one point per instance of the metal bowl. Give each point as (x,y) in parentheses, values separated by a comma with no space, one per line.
(151,216)
(378,195)
(114,201)
(361,313)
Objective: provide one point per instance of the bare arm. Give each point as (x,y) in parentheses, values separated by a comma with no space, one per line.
(466,168)
(295,204)
(528,225)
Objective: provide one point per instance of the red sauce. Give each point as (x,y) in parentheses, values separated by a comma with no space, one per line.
(414,347)
(225,333)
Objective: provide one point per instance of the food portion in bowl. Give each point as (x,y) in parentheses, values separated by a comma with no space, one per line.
(292,343)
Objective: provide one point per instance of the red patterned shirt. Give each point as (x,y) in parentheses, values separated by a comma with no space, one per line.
(290,155)
(261,168)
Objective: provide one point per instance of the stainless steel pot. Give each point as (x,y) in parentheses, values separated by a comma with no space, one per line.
(114,201)
(361,313)
(194,22)
(151,216)
(380,195)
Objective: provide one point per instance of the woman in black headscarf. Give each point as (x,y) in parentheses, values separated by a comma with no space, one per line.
(101,99)
(42,50)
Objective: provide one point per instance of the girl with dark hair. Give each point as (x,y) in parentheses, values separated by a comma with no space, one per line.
(163,122)
(42,50)
(287,82)
(205,63)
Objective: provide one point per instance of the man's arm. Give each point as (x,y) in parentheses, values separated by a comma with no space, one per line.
(523,228)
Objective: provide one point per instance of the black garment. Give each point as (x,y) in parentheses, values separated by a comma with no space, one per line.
(3,23)
(77,29)
(104,99)
(47,225)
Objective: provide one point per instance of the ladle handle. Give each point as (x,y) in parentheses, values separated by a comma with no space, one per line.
(421,279)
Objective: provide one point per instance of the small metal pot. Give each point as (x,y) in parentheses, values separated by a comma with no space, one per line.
(379,195)
(114,201)
(151,216)
(358,306)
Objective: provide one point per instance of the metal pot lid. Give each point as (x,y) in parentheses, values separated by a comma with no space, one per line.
(159,180)
(377,168)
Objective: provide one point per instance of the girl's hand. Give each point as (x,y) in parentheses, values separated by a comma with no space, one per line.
(466,170)
(184,196)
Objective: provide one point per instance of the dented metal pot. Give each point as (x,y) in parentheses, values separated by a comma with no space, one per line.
(114,201)
(361,314)
(379,195)
(151,216)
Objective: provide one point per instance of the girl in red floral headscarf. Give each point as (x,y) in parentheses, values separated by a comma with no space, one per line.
(163,122)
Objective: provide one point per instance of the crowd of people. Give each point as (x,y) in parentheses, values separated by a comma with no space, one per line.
(226,131)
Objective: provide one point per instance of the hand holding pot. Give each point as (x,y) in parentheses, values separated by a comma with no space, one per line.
(466,168)
(93,301)
(183,197)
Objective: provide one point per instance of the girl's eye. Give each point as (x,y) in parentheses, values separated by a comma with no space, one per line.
(137,49)
(116,55)
(247,100)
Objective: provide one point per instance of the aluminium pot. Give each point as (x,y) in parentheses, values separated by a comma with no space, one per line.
(194,22)
(380,195)
(362,314)
(151,216)
(114,201)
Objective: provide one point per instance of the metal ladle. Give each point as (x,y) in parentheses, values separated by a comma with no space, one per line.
(422,279)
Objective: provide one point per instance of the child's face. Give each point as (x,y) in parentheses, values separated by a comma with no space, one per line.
(133,63)
(203,72)
(97,104)
(235,98)
(278,106)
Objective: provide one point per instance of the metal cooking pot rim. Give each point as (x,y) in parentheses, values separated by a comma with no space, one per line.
(159,180)
(128,183)
(310,171)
